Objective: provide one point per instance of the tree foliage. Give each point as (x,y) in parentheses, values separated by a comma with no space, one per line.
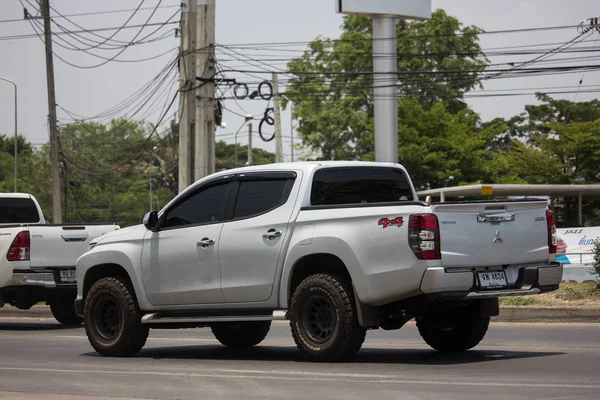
(110,172)
(438,61)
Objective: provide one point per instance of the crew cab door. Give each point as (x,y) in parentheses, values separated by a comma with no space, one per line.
(253,236)
(180,262)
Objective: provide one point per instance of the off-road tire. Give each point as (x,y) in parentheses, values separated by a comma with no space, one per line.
(334,294)
(241,335)
(124,334)
(459,330)
(63,310)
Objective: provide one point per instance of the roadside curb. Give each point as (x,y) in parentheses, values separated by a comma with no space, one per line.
(548,314)
(507,314)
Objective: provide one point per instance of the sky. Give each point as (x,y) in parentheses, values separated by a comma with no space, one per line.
(88,92)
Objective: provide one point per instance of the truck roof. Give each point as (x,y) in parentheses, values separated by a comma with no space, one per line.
(15,195)
(308,166)
(305,166)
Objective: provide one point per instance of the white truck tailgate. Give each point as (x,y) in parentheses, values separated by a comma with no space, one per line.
(492,233)
(61,246)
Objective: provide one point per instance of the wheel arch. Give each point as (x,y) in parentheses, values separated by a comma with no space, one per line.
(100,271)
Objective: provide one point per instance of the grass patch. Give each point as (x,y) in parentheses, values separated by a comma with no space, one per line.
(521,301)
(568,294)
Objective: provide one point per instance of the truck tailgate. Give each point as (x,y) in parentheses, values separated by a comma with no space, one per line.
(61,245)
(493,233)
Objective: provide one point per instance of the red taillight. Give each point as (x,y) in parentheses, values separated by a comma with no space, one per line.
(424,236)
(19,249)
(551,222)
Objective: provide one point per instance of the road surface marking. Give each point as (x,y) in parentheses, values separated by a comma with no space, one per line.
(305,375)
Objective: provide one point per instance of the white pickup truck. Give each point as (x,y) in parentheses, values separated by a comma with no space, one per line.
(336,248)
(37,260)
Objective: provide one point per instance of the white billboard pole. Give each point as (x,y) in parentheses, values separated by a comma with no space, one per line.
(385,91)
(384,14)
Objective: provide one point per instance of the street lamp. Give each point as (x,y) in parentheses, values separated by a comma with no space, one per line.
(16,138)
(247,119)
(291,123)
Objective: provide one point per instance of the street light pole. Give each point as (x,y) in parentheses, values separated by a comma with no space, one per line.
(292,127)
(16,137)
(247,118)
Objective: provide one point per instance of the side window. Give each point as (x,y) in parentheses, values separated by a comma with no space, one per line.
(205,206)
(354,185)
(258,196)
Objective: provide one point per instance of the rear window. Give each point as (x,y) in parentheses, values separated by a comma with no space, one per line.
(354,185)
(18,211)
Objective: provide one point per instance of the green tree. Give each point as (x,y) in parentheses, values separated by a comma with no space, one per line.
(225,156)
(333,97)
(556,141)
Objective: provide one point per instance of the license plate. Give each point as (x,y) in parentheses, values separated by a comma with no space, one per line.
(492,280)
(68,276)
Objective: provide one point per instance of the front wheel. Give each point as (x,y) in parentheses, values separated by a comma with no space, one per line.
(63,310)
(112,318)
(455,331)
(241,335)
(323,319)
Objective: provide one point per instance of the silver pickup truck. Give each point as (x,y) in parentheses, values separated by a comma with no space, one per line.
(37,260)
(336,248)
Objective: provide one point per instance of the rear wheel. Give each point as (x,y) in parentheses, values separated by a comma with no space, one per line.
(112,318)
(323,319)
(241,334)
(455,330)
(63,310)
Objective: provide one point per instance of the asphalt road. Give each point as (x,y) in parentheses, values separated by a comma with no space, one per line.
(41,360)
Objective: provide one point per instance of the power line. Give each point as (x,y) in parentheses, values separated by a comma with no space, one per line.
(369,39)
(113,58)
(94,13)
(33,35)
(104,39)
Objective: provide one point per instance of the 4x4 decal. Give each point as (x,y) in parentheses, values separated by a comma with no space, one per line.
(385,222)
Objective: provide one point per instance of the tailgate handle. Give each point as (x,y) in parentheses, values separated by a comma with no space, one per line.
(75,237)
(495,217)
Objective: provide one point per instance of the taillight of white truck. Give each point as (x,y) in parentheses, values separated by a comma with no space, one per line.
(19,249)
(551,222)
(424,236)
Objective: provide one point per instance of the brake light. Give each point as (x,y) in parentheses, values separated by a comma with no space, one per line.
(19,249)
(424,236)
(551,222)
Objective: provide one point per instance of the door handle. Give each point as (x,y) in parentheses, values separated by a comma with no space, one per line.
(75,237)
(272,234)
(204,243)
(495,217)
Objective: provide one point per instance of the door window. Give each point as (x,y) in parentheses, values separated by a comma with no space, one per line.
(208,205)
(259,196)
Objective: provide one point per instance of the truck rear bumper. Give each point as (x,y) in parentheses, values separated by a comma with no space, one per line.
(45,279)
(440,282)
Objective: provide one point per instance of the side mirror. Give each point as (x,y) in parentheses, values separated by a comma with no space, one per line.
(151,220)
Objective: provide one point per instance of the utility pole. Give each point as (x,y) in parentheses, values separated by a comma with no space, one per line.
(277,114)
(15,147)
(187,97)
(249,162)
(54,158)
(204,146)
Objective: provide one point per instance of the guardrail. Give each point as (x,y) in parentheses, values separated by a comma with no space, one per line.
(589,260)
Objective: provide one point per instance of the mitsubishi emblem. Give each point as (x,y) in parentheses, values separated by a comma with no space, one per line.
(497,238)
